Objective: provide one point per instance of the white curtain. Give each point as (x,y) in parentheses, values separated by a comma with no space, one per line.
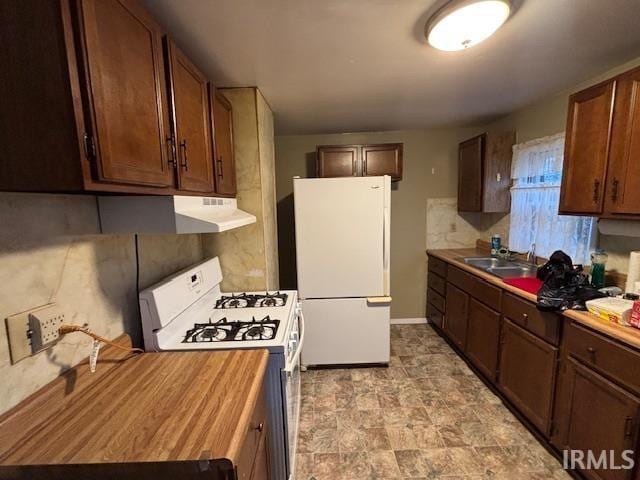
(536,172)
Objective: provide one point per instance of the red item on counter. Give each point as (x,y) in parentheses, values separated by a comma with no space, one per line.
(634,320)
(528,284)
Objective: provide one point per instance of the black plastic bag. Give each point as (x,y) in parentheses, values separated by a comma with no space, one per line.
(565,286)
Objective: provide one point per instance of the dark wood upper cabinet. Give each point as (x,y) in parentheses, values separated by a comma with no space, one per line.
(87,101)
(122,47)
(598,416)
(484,173)
(483,337)
(586,149)
(385,159)
(623,178)
(337,161)
(191,122)
(225,168)
(527,373)
(359,160)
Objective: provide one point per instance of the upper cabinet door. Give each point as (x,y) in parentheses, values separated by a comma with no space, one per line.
(623,178)
(384,159)
(126,87)
(225,168)
(191,122)
(586,149)
(337,161)
(470,174)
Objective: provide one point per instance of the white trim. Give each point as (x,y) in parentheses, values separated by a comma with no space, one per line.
(408,321)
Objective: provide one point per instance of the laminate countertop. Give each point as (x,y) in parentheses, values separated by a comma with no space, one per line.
(151,407)
(455,257)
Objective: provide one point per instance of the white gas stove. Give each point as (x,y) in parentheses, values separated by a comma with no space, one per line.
(187,311)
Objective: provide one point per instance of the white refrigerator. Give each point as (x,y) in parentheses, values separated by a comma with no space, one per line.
(342,230)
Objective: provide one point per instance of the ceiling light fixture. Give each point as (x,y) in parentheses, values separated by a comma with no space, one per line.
(460,24)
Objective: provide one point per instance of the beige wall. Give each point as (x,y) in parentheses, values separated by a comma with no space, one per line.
(546,117)
(248,255)
(51,250)
(430,171)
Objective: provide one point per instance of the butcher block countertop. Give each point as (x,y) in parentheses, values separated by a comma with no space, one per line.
(628,335)
(151,407)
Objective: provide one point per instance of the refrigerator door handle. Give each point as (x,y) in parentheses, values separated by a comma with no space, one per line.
(378,300)
(385,250)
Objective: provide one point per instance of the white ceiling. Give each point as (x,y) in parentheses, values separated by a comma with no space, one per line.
(358,65)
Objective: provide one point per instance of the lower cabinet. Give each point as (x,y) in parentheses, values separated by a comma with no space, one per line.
(457,308)
(253,460)
(598,402)
(483,337)
(527,373)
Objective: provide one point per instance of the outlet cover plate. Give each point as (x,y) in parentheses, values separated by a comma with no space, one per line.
(19,332)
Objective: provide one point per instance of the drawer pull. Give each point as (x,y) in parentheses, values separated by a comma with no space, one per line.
(525,317)
(628,431)
(260,427)
(592,352)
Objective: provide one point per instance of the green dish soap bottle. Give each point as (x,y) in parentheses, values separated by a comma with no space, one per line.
(598,261)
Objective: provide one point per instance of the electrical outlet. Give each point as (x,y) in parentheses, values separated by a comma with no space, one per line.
(33,331)
(44,324)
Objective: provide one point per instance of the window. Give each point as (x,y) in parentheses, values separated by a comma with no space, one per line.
(536,172)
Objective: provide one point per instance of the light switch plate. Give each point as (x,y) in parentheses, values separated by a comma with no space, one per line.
(20,333)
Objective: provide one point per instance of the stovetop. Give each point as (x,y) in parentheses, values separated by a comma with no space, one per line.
(224,330)
(252,300)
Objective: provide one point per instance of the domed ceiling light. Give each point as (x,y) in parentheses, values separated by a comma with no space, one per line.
(460,24)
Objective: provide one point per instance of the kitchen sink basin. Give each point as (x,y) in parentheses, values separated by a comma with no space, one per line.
(486,262)
(502,268)
(517,270)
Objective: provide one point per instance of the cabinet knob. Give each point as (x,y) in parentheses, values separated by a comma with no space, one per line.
(260,427)
(596,190)
(592,352)
(525,317)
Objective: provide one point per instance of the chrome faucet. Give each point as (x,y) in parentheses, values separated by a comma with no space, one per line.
(531,254)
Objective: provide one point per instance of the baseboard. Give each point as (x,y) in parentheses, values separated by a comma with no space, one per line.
(408,321)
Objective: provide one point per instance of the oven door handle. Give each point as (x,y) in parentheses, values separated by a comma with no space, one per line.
(288,369)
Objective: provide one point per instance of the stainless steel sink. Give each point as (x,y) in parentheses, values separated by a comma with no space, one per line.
(485,262)
(519,270)
(502,268)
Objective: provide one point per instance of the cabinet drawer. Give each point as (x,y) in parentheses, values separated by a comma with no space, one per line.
(437,283)
(616,361)
(435,299)
(488,294)
(434,315)
(545,325)
(256,430)
(438,266)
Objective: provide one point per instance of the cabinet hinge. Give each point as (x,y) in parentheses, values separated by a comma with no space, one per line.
(89,147)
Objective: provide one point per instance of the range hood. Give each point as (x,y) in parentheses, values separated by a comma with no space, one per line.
(170,214)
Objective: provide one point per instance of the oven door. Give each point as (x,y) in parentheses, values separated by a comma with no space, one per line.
(292,391)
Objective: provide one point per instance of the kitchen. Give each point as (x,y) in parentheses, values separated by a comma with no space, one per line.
(97,225)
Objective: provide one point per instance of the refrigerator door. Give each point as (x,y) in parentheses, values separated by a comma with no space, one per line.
(342,236)
(345,331)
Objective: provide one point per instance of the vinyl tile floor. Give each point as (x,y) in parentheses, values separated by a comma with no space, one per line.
(426,416)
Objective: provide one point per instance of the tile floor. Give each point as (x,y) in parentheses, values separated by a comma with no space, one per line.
(427,416)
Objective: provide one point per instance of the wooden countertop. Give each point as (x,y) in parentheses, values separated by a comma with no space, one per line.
(150,407)
(628,335)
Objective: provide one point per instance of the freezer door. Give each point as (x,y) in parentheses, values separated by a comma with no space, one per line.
(342,237)
(345,331)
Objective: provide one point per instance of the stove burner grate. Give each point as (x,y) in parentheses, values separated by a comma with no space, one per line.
(248,300)
(226,331)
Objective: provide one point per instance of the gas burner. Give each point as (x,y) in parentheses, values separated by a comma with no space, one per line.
(246,300)
(225,331)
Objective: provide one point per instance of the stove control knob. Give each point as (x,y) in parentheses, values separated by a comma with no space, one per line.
(294,336)
(292,345)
